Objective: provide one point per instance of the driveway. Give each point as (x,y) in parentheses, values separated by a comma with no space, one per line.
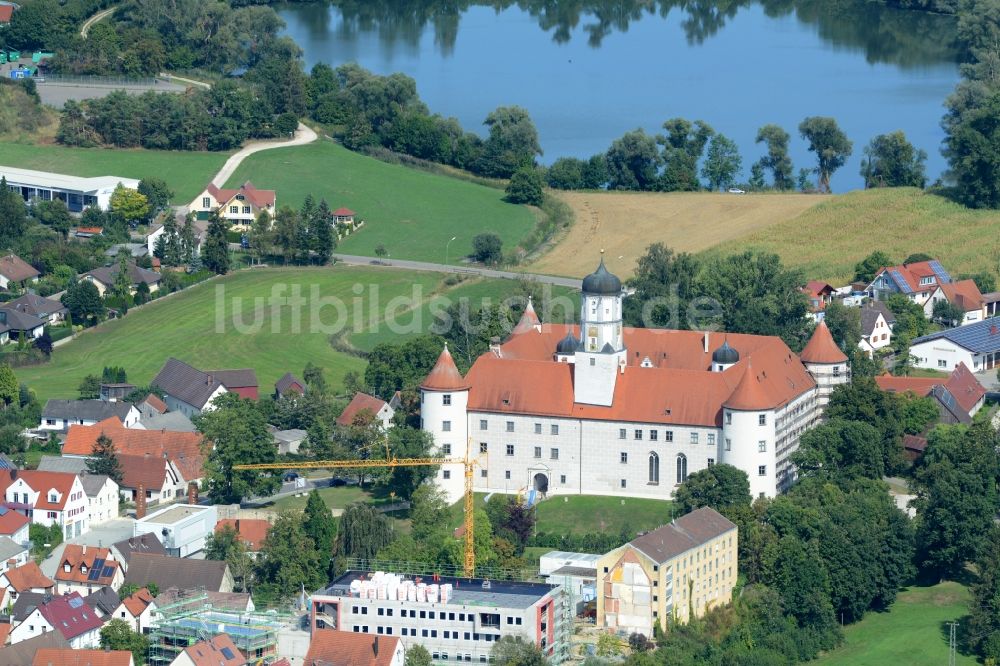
(355,260)
(303,135)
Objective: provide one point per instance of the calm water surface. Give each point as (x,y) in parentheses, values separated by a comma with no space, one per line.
(590,70)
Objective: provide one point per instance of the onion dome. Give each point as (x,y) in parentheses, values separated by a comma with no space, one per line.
(725,355)
(821,348)
(567,345)
(444,376)
(602,282)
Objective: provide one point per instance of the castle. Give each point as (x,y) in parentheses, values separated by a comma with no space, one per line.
(602,409)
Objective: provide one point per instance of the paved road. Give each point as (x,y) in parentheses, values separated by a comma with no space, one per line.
(57,93)
(193,82)
(303,135)
(355,260)
(85,28)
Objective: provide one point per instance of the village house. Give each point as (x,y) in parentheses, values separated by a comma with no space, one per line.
(976,345)
(69,657)
(84,569)
(964,295)
(877,321)
(288,441)
(820,294)
(288,385)
(104,601)
(101,490)
(16,326)
(917,281)
(251,531)
(13,554)
(48,498)
(69,615)
(146,543)
(59,415)
(137,610)
(104,278)
(347,648)
(47,309)
(24,579)
(376,408)
(16,272)
(216,651)
(182,573)
(959,397)
(343,216)
(159,478)
(14,525)
(239,206)
(23,654)
(191,391)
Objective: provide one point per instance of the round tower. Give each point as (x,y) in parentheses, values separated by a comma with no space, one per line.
(825,362)
(601,311)
(444,401)
(748,433)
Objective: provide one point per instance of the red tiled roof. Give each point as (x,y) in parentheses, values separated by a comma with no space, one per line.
(69,657)
(214,652)
(138,602)
(912,273)
(750,393)
(529,319)
(821,348)
(6,11)
(259,198)
(343,212)
(11,522)
(5,632)
(444,376)
(42,482)
(330,647)
(916,385)
(251,531)
(359,403)
(70,615)
(182,448)
(965,388)
(16,269)
(81,562)
(155,402)
(914,443)
(964,293)
(27,577)
(818,288)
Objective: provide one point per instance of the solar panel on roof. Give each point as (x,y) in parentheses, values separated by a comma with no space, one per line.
(95,571)
(6,464)
(227,653)
(939,271)
(75,602)
(901,282)
(108,571)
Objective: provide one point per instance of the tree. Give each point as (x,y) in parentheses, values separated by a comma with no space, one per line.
(129,203)
(986,282)
(984,607)
(515,651)
(363,532)
(487,248)
(797,573)
(90,387)
(215,253)
(239,434)
(865,270)
(84,302)
(117,634)
(862,400)
(918,413)
(844,324)
(157,193)
(722,163)
(286,123)
(8,385)
(633,162)
(777,159)
(757,183)
(718,486)
(54,215)
(43,343)
(683,144)
(323,241)
(972,144)
(104,459)
(13,214)
(260,235)
(225,545)
(512,144)
(319,525)
(664,284)
(842,448)
(289,561)
(525,187)
(566,173)
(380,251)
(892,161)
(947,313)
(417,655)
(122,286)
(831,145)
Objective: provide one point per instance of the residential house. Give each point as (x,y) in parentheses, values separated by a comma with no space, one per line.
(820,294)
(187,389)
(69,615)
(137,610)
(184,574)
(344,216)
(877,321)
(24,579)
(216,651)
(135,250)
(180,451)
(13,554)
(330,647)
(150,406)
(239,206)
(200,228)
(991,303)
(88,232)
(251,531)
(48,498)
(146,543)
(59,415)
(69,657)
(289,384)
(242,382)
(102,497)
(23,654)
(16,325)
(917,281)
(84,569)
(104,277)
(6,12)
(976,345)
(47,309)
(63,464)
(104,601)
(964,295)
(14,525)
(16,272)
(290,440)
(175,421)
(959,397)
(25,605)
(377,408)
(663,576)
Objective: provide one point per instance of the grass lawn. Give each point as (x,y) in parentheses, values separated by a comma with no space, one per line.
(186,173)
(186,324)
(581,514)
(913,632)
(826,241)
(626,223)
(413,213)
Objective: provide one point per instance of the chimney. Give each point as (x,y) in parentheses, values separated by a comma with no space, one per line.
(140,502)
(706,342)
(375,646)
(192,493)
(495,345)
(84,549)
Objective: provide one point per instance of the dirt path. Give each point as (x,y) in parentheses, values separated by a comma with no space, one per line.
(303,135)
(99,16)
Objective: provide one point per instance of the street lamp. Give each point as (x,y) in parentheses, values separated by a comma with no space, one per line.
(446,246)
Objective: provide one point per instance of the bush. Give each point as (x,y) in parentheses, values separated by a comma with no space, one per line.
(487,248)
(525,187)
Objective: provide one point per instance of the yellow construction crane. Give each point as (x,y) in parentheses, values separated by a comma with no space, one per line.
(390,461)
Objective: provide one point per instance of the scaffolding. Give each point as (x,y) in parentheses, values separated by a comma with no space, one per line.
(193,618)
(565,615)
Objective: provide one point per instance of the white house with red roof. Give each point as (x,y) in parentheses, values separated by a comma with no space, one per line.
(78,623)
(136,609)
(85,568)
(376,408)
(599,408)
(963,294)
(48,498)
(239,206)
(917,281)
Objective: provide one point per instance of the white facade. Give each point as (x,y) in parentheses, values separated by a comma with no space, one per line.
(181,528)
(880,337)
(175,404)
(444,414)
(969,317)
(139,623)
(103,505)
(944,355)
(77,192)
(49,506)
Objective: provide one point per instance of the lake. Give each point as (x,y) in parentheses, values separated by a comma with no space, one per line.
(590,70)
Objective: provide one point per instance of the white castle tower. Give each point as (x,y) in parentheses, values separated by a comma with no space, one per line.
(600,353)
(444,401)
(825,362)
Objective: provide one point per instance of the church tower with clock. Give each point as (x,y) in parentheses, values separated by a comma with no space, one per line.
(600,354)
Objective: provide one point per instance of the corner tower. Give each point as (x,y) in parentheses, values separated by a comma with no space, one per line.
(444,401)
(825,362)
(600,354)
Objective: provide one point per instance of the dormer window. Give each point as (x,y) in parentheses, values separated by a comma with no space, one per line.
(83,568)
(927,280)
(239,197)
(53,497)
(66,567)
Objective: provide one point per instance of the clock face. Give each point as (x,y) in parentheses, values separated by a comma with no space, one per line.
(592,332)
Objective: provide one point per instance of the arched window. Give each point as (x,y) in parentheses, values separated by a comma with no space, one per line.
(654,468)
(682,468)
